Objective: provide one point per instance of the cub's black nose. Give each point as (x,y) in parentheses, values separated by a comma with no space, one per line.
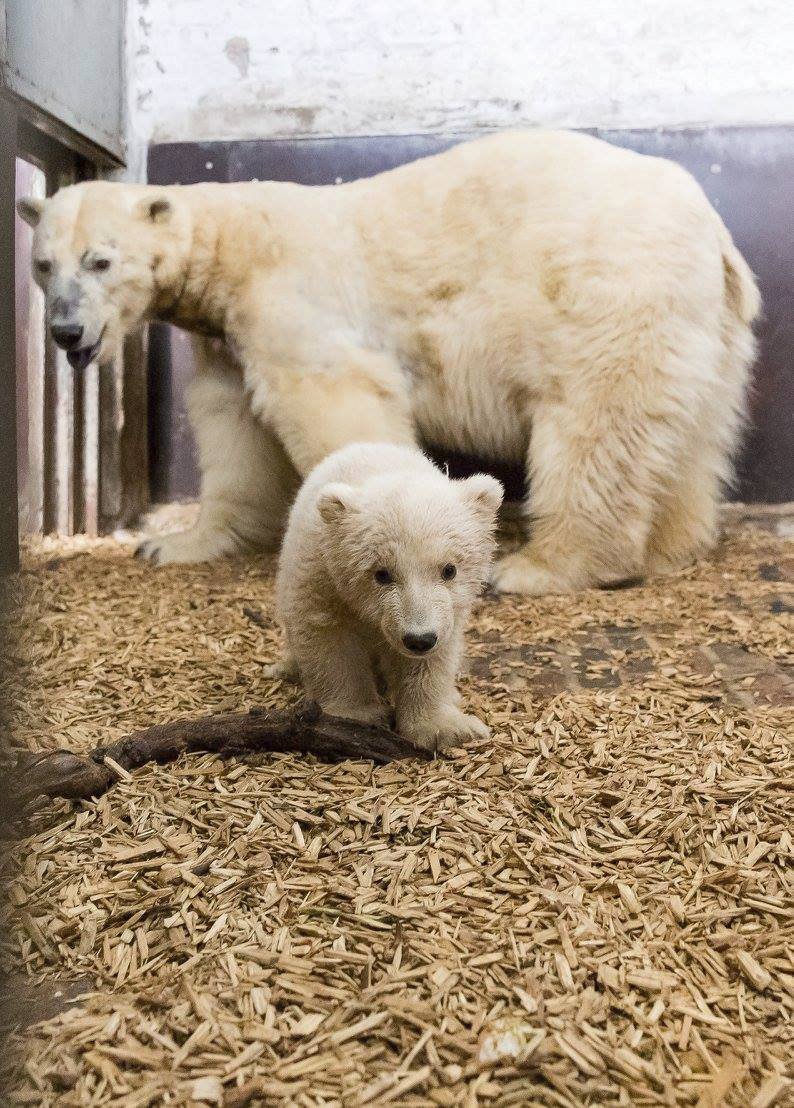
(420,644)
(67,335)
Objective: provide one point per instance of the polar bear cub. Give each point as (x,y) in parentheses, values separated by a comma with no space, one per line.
(382,559)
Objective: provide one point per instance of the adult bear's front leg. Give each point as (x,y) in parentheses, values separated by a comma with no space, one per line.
(362,396)
(247,480)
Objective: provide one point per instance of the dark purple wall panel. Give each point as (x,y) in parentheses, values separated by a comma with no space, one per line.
(747,173)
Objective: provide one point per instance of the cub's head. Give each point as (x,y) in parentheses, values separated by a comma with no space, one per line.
(409,558)
(100,252)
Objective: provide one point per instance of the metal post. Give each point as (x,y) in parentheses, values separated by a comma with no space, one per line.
(9,511)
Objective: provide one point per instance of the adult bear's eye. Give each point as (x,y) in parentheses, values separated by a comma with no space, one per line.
(383,577)
(449,571)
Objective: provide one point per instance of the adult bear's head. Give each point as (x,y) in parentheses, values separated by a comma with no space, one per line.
(103,253)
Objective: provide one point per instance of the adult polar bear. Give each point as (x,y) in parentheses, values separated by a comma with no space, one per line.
(538,295)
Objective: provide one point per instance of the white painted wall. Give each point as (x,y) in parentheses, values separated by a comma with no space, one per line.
(231,69)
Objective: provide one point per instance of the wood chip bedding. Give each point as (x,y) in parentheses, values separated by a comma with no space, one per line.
(593,908)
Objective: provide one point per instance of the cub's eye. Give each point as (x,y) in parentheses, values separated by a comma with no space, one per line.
(43,267)
(449,571)
(383,577)
(99,264)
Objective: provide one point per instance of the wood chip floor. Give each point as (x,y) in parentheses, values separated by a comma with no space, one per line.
(596,907)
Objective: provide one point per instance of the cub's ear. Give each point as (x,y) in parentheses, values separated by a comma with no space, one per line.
(335,500)
(484,494)
(155,209)
(30,210)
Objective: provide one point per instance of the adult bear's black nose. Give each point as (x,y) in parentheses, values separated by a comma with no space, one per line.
(67,335)
(420,644)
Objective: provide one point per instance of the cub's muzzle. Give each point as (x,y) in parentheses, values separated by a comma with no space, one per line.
(420,644)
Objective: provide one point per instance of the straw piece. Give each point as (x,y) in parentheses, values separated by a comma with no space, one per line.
(770,1092)
(753,970)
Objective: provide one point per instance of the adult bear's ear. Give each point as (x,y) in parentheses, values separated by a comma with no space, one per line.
(30,209)
(155,209)
(484,494)
(335,500)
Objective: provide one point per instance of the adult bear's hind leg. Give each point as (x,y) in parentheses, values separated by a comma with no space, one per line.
(597,468)
(686,524)
(640,379)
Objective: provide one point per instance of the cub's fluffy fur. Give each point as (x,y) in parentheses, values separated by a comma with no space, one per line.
(382,559)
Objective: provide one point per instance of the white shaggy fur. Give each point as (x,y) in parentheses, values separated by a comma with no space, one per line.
(540,296)
(384,555)
(247,480)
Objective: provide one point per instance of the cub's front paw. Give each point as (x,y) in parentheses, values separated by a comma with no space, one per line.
(449,726)
(286,669)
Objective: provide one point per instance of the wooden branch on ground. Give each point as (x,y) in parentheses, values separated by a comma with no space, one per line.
(301,730)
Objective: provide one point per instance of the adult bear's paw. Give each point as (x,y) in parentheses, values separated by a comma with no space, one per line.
(187,547)
(519,573)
